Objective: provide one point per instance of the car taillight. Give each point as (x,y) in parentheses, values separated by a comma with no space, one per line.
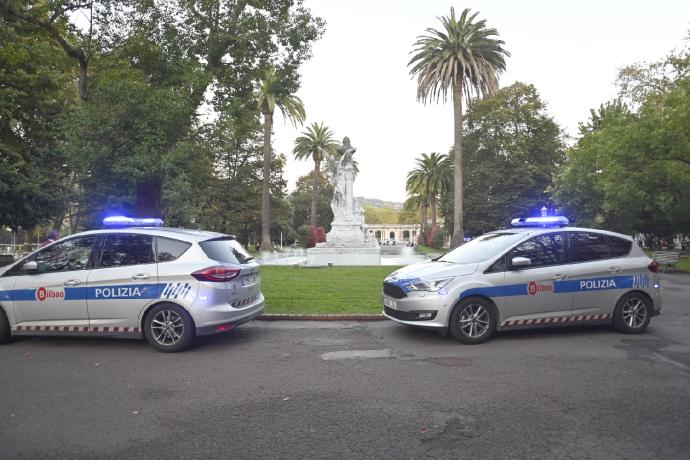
(218,273)
(654,266)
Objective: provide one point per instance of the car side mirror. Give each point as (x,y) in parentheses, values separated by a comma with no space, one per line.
(520,262)
(30,266)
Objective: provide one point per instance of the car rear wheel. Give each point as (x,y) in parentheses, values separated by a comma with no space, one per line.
(473,321)
(169,328)
(5,334)
(632,313)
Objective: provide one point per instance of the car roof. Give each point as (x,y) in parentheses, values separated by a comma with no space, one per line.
(537,230)
(170,232)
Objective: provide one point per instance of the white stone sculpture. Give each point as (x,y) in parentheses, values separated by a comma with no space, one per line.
(348,242)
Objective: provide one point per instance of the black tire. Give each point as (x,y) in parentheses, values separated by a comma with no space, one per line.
(5,333)
(633,313)
(470,315)
(169,328)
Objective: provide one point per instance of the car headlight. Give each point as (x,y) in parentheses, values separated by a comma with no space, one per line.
(431,286)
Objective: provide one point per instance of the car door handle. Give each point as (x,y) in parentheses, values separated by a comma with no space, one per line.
(614,269)
(141,276)
(71,283)
(559,277)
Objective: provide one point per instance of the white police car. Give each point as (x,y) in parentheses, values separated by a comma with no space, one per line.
(166,284)
(538,273)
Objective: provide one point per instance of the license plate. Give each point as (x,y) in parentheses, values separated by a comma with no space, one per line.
(249,279)
(390,303)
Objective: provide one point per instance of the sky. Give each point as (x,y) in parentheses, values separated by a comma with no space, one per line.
(358,82)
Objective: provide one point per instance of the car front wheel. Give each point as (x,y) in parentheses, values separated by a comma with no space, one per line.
(169,328)
(473,321)
(632,314)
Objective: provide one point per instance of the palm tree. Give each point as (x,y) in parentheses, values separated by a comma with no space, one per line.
(429,179)
(269,97)
(464,57)
(315,143)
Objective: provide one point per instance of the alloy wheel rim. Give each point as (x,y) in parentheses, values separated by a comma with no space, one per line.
(474,320)
(634,312)
(167,327)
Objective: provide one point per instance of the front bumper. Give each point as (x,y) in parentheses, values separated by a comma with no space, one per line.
(424,309)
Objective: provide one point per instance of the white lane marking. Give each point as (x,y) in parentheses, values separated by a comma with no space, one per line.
(670,361)
(357,354)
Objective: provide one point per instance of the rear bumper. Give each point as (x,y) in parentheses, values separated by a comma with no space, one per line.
(232,319)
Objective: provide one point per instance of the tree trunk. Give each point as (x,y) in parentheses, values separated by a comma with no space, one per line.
(433,210)
(423,232)
(458,231)
(314,193)
(83,80)
(149,193)
(266,197)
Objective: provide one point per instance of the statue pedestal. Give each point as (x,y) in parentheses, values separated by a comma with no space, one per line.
(344,254)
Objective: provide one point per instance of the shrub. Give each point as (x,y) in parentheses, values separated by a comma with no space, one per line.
(318,235)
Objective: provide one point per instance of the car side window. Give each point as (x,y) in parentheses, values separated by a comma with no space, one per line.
(542,250)
(169,249)
(619,246)
(127,249)
(586,247)
(73,254)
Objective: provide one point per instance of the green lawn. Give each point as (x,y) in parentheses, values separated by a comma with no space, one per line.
(683,264)
(331,290)
(428,250)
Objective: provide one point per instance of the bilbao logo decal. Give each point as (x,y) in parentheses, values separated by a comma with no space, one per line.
(43,294)
(534,288)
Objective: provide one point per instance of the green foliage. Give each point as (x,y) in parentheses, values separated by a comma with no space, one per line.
(374,215)
(35,94)
(464,51)
(317,143)
(431,177)
(136,143)
(630,169)
(300,201)
(512,149)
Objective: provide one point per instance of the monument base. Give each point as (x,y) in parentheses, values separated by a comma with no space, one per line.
(344,254)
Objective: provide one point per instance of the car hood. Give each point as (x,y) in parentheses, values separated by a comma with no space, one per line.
(430,270)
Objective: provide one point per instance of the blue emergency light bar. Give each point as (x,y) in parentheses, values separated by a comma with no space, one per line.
(541,221)
(124,221)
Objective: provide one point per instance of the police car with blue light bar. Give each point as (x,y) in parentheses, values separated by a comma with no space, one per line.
(540,272)
(132,279)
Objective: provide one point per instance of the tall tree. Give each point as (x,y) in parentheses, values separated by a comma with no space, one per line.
(429,179)
(512,150)
(465,57)
(269,95)
(316,143)
(36,94)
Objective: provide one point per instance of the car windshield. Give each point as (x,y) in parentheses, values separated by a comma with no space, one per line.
(226,250)
(481,248)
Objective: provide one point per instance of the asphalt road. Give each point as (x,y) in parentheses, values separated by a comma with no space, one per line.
(356,390)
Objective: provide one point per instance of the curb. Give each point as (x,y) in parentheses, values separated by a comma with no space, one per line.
(304,317)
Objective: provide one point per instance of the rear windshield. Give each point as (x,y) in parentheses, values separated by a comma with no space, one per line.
(226,250)
(480,249)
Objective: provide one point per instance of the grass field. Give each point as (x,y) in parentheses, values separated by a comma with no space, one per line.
(330,290)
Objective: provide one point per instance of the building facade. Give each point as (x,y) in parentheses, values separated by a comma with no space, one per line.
(398,233)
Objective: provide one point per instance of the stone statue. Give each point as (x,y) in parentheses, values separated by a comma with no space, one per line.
(349,241)
(342,203)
